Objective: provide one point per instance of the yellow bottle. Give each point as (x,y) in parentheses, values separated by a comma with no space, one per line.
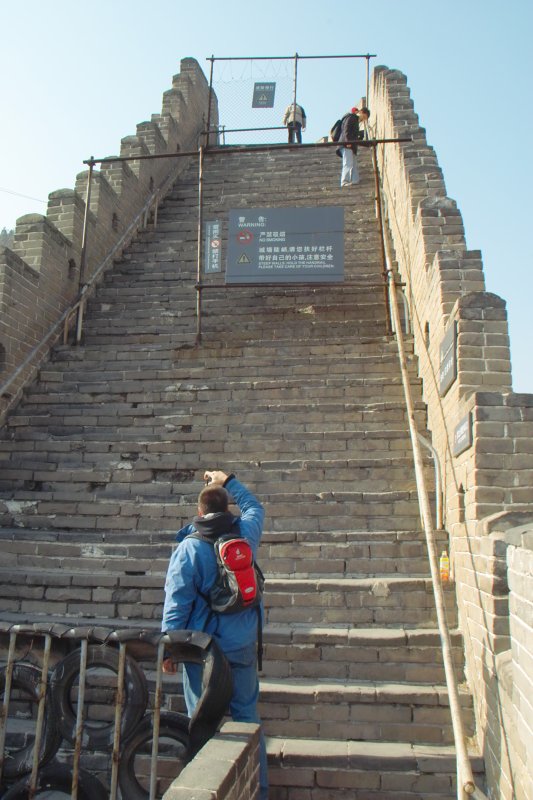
(444,567)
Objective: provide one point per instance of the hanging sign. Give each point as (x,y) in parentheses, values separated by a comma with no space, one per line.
(286,245)
(448,359)
(213,244)
(263,95)
(462,437)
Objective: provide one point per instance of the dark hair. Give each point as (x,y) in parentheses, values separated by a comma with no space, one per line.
(365,110)
(213,499)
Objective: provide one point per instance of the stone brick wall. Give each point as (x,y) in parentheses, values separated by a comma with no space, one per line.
(493,475)
(227,767)
(40,275)
(520,727)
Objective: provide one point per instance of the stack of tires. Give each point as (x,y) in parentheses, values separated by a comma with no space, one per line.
(70,742)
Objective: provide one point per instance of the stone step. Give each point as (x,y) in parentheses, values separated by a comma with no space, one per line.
(261,366)
(123,516)
(47,585)
(256,349)
(364,710)
(286,556)
(382,600)
(160,404)
(333,389)
(363,770)
(291,555)
(80,595)
(160,475)
(361,654)
(176,324)
(323,369)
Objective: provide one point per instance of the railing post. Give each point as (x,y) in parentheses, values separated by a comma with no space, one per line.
(295,88)
(157,718)
(119,703)
(208,124)
(382,239)
(83,257)
(79,720)
(40,717)
(7,694)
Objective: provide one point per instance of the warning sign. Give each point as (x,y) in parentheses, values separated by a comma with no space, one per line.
(263,95)
(212,246)
(286,245)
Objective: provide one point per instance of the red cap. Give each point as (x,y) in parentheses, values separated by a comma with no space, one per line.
(354,110)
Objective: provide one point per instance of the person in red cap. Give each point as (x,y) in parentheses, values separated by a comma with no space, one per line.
(350,133)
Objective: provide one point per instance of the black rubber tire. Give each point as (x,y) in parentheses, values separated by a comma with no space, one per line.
(59,778)
(27,678)
(217,682)
(135,696)
(172,726)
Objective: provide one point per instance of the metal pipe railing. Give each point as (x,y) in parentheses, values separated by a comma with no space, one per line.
(466,783)
(465,780)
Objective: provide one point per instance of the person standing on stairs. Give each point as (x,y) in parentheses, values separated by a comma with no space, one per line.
(295,120)
(191,573)
(351,133)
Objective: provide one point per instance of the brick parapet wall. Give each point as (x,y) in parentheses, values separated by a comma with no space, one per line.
(520,729)
(50,246)
(445,287)
(226,768)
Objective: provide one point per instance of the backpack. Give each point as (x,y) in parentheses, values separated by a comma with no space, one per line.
(239,583)
(335,131)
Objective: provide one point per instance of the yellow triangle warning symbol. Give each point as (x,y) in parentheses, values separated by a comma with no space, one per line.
(243,259)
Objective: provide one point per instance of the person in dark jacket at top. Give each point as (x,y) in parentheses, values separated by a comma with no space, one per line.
(191,573)
(351,133)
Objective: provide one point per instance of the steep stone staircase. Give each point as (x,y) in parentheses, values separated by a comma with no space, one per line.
(297,390)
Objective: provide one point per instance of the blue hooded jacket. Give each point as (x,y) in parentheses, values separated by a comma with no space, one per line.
(193,570)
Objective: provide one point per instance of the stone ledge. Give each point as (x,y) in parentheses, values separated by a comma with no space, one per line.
(228,761)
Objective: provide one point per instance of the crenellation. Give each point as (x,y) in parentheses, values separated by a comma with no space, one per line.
(51,245)
(151,135)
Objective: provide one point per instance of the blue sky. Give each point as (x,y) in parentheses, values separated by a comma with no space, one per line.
(77,77)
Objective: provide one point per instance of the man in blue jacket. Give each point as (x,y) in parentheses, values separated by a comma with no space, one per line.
(191,573)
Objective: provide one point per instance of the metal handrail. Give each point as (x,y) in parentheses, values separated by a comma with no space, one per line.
(465,779)
(466,783)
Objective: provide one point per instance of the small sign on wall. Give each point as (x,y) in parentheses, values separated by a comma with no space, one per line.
(213,245)
(448,359)
(462,436)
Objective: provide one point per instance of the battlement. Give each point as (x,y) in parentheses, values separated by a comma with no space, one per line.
(490,476)
(40,277)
